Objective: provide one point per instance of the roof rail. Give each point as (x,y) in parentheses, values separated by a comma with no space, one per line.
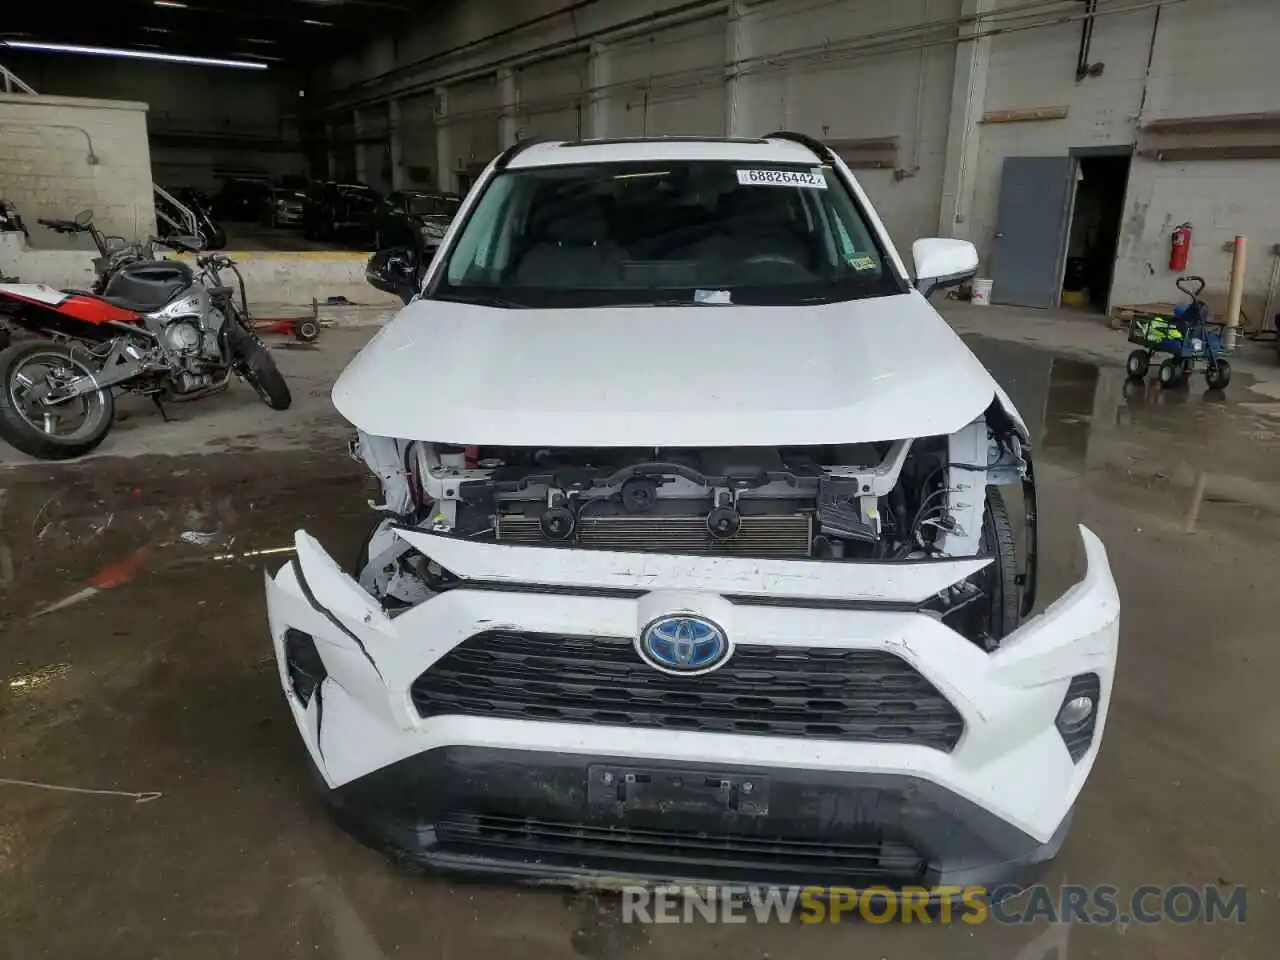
(515,150)
(820,149)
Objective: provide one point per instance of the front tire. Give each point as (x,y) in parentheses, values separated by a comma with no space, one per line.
(258,368)
(1138,364)
(1218,374)
(217,239)
(36,430)
(1170,373)
(1004,591)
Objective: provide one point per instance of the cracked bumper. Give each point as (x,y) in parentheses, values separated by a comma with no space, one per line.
(989,811)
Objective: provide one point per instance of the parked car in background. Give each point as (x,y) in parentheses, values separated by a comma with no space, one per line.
(411,218)
(282,207)
(332,209)
(240,198)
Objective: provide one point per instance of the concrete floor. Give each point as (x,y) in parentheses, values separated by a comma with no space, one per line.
(164,682)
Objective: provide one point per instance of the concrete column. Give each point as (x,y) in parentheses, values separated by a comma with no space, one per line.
(599,76)
(509,118)
(736,46)
(357,126)
(968,99)
(396,141)
(331,155)
(444,143)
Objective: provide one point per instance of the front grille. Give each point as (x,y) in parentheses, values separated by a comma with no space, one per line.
(784,535)
(862,695)
(854,862)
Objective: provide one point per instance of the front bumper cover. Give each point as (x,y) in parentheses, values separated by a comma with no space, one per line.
(509,796)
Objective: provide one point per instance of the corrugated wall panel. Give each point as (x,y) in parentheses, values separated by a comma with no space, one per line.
(903,95)
(472,117)
(551,98)
(669,82)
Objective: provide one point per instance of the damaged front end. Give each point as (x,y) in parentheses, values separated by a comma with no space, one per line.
(904,500)
(479,692)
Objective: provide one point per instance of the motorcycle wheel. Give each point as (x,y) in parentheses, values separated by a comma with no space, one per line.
(216,238)
(62,432)
(256,365)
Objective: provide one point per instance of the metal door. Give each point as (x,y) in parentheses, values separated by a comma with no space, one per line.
(1027,256)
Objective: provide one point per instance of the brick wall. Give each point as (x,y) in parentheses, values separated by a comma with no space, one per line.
(60,155)
(201,120)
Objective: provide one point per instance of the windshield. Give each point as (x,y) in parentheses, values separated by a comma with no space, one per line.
(697,232)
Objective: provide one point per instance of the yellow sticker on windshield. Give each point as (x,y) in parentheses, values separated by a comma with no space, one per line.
(862,263)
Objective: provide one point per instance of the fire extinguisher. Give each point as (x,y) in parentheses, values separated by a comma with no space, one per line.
(1180,249)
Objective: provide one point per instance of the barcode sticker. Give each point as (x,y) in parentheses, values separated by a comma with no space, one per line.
(809,179)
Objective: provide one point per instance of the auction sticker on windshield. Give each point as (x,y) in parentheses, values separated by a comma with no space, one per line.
(812,179)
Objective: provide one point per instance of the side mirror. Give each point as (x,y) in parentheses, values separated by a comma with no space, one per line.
(84,218)
(394,270)
(942,262)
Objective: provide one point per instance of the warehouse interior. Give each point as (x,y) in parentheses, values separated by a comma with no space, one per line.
(154,801)
(932,103)
(927,101)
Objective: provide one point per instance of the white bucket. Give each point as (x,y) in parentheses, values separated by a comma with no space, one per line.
(982,292)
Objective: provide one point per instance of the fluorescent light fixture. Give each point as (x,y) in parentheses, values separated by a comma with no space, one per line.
(131,54)
(156,30)
(318,23)
(257,40)
(258,56)
(170,3)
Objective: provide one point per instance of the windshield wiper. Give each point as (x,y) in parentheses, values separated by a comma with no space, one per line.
(484,300)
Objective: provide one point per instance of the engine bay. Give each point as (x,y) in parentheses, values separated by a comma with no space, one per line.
(892,501)
(899,499)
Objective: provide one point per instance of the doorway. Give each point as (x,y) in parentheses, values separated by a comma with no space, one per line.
(1094,236)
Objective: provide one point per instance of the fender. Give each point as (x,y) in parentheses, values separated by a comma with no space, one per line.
(37,293)
(78,306)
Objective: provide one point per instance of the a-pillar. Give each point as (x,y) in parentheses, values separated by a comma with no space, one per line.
(599,77)
(444,143)
(395,141)
(508,119)
(968,99)
(357,126)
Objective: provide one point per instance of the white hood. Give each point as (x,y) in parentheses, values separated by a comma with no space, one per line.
(852,372)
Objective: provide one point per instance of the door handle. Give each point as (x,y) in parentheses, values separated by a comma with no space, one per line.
(999,236)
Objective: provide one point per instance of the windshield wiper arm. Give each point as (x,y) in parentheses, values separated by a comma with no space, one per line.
(485,300)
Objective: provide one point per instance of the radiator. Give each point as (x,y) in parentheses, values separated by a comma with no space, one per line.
(776,535)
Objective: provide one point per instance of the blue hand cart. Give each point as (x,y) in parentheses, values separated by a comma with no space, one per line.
(1189,338)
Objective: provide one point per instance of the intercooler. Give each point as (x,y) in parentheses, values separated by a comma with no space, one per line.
(773,535)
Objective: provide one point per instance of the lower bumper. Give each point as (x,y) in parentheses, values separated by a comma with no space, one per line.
(467,790)
(537,817)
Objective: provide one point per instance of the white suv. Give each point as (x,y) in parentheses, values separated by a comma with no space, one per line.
(696,559)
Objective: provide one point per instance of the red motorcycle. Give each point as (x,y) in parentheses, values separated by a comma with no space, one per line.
(152,327)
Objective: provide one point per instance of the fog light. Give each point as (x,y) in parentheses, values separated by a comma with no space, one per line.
(1075,713)
(306,669)
(1078,716)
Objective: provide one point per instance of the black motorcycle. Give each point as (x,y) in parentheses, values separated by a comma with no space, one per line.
(171,222)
